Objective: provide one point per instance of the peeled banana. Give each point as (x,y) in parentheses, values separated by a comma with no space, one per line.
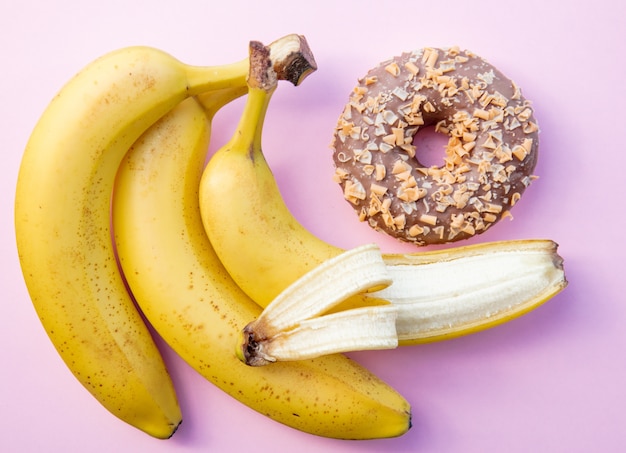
(192,302)
(62,207)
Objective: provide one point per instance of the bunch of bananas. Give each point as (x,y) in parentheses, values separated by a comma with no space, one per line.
(120,152)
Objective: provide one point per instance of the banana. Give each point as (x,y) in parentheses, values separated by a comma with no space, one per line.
(193,303)
(62,220)
(440,294)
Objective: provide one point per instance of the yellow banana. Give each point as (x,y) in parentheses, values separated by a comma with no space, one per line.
(198,309)
(62,218)
(440,294)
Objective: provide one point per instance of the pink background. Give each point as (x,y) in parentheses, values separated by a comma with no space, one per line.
(552,381)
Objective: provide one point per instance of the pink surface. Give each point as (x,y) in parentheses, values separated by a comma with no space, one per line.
(551,381)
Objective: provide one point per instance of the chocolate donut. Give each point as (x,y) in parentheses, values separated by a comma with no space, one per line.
(489,159)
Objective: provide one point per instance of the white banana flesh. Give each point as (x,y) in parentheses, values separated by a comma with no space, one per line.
(440,294)
(358,270)
(357,329)
(294,327)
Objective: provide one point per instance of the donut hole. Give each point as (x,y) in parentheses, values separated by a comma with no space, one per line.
(430,147)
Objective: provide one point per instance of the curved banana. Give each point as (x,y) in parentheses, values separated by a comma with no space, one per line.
(62,209)
(259,240)
(198,309)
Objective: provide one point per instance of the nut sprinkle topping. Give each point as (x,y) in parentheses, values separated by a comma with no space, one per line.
(489,158)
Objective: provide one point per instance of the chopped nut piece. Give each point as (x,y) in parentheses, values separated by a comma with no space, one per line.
(524,115)
(340,175)
(506,214)
(354,191)
(530,127)
(390,139)
(482,114)
(400,166)
(428,219)
(519,152)
(399,221)
(495,208)
(381,172)
(412,68)
(415,230)
(400,93)
(377,189)
(393,69)
(430,58)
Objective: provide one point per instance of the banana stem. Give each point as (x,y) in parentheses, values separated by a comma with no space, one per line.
(250,129)
(262,81)
(262,74)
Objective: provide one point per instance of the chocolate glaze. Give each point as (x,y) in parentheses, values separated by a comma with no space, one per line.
(490,156)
